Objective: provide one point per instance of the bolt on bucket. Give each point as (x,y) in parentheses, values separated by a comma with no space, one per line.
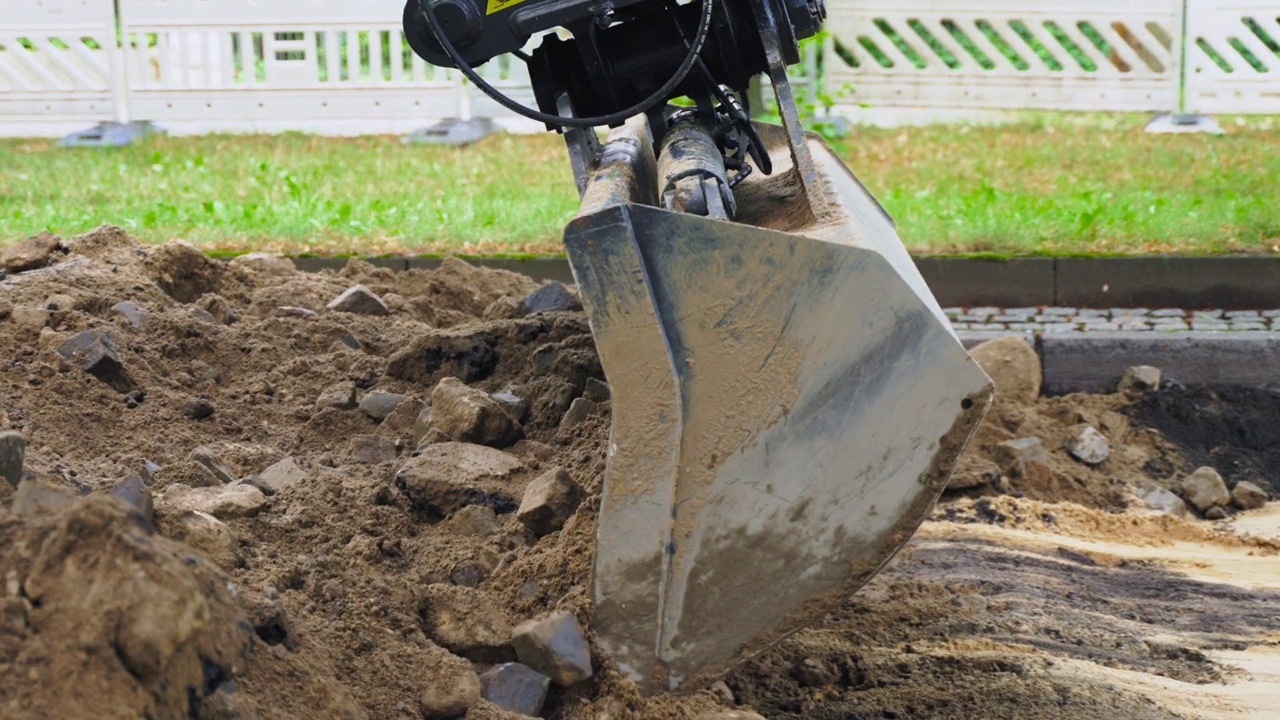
(788,402)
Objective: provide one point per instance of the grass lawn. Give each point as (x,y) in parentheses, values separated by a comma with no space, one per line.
(1052,184)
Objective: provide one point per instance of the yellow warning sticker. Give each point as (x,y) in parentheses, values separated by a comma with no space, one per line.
(500,5)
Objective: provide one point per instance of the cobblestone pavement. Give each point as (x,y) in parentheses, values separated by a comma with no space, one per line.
(1067,319)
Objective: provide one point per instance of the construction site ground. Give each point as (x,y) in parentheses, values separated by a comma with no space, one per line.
(232,505)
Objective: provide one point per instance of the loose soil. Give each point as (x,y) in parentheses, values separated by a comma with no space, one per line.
(1050,595)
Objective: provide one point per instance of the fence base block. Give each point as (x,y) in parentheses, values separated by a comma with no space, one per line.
(452,132)
(110,134)
(1164,124)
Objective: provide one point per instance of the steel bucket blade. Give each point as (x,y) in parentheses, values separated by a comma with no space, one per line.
(786,408)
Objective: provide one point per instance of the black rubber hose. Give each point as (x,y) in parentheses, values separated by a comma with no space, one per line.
(704,27)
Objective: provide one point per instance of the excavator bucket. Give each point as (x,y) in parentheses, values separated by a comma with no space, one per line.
(788,402)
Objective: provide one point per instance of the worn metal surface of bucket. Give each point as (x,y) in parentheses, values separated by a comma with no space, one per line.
(788,402)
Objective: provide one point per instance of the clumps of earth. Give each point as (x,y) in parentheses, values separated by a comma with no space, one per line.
(232,490)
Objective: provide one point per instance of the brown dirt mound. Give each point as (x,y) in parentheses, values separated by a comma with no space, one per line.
(317,601)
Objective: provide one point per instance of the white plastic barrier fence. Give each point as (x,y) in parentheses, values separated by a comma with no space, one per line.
(1233,56)
(330,66)
(59,66)
(343,66)
(1010,54)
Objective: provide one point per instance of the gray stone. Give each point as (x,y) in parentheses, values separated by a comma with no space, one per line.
(555,646)
(552,297)
(198,409)
(515,405)
(131,312)
(93,351)
(1126,324)
(597,391)
(210,536)
(1273,314)
(34,498)
(13,452)
(378,404)
(467,622)
(1007,318)
(1236,325)
(1248,496)
(1139,377)
(1130,312)
(339,395)
(1086,444)
(1217,512)
(214,467)
(283,474)
(34,252)
(224,502)
(1023,458)
(372,449)
(515,688)
(445,477)
(1060,311)
(1169,312)
(953,311)
(1205,488)
(549,501)
(1033,326)
(291,311)
(971,319)
(1243,315)
(135,493)
(470,415)
(473,521)
(360,300)
(450,690)
(1209,326)
(986,326)
(1163,500)
(1021,311)
(255,481)
(579,410)
(1100,327)
(984,312)
(1206,314)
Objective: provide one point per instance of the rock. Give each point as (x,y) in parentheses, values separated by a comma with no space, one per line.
(34,498)
(1217,512)
(131,312)
(474,521)
(1164,501)
(33,318)
(729,715)
(224,502)
(13,453)
(470,415)
(214,467)
(199,409)
(34,252)
(422,425)
(219,308)
(596,391)
(210,536)
(265,263)
(255,481)
(93,351)
(1139,377)
(291,311)
(202,315)
(283,474)
(552,297)
(548,502)
(339,395)
(515,688)
(555,646)
(578,412)
(360,300)
(971,471)
(515,405)
(137,495)
(378,405)
(1014,456)
(1204,489)
(722,692)
(1013,366)
(450,690)
(467,622)
(372,449)
(466,355)
(1248,496)
(448,476)
(1086,444)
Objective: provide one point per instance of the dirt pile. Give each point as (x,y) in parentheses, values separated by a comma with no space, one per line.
(257,493)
